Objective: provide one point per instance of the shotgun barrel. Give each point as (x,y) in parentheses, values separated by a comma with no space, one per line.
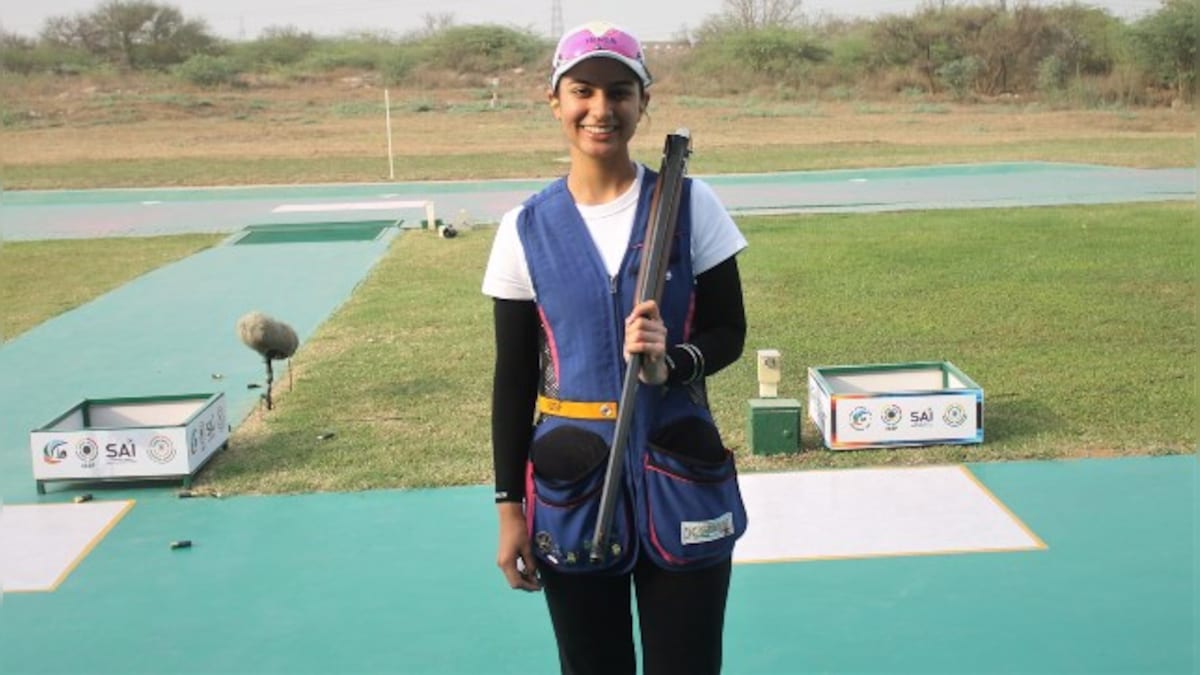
(656,250)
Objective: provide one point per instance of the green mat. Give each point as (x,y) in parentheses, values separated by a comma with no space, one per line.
(305,233)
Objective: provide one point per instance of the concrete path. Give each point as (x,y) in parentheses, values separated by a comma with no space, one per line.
(106,213)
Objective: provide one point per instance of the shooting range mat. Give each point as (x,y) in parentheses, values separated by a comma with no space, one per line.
(171,332)
(861,513)
(40,544)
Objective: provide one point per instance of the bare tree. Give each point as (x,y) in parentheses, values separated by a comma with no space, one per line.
(756,14)
(76,32)
(436,23)
(132,33)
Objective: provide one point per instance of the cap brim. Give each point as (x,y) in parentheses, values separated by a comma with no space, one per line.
(638,69)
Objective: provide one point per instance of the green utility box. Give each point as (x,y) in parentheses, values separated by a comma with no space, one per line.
(774,426)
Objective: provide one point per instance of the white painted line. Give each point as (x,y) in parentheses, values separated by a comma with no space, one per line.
(349,206)
(864,513)
(40,544)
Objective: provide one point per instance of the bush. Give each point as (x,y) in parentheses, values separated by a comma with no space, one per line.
(852,54)
(1128,84)
(483,49)
(209,71)
(1167,42)
(276,47)
(396,65)
(356,54)
(28,61)
(23,56)
(771,55)
(959,75)
(1051,75)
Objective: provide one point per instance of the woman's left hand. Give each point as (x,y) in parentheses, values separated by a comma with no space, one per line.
(646,334)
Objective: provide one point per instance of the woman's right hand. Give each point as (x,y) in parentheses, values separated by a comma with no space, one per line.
(515,554)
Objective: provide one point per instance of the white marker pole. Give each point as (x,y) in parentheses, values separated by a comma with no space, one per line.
(387,113)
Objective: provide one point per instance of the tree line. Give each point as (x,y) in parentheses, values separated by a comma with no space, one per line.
(964,50)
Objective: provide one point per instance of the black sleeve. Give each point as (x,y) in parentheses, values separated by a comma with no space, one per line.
(718,329)
(514,392)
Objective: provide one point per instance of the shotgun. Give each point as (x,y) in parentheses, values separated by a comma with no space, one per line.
(656,251)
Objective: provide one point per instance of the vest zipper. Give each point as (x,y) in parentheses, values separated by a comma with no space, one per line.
(617,337)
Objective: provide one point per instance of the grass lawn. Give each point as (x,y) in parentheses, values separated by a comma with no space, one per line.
(1078,322)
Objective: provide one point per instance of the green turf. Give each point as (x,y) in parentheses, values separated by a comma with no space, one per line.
(313,232)
(403,582)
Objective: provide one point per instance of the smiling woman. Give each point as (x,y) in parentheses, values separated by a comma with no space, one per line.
(599,104)
(563,273)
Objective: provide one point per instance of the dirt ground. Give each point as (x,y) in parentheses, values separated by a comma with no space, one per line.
(49,121)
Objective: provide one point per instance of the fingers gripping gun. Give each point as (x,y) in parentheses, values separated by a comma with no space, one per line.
(656,251)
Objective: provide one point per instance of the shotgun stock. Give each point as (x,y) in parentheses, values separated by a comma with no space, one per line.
(656,251)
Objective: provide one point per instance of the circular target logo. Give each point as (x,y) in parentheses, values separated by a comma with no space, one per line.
(860,418)
(955,415)
(161,450)
(54,452)
(892,415)
(88,452)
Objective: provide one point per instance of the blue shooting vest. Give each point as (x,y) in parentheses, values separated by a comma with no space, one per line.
(681,515)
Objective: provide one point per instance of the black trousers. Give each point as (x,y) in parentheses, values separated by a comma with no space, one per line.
(681,616)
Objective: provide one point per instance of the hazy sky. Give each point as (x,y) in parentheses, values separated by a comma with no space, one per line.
(649,19)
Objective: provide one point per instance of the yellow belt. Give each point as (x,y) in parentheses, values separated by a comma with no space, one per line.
(579,410)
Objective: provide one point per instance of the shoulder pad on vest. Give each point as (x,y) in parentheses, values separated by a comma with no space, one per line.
(551,190)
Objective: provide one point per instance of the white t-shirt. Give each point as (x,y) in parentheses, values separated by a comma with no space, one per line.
(715,238)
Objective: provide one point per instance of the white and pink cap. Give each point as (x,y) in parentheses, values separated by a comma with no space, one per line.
(599,38)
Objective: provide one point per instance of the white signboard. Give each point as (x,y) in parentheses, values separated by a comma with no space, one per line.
(170,436)
(894,405)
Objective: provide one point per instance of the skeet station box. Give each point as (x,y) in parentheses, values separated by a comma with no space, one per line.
(892,405)
(148,437)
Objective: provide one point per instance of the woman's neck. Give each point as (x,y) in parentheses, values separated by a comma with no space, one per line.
(594,183)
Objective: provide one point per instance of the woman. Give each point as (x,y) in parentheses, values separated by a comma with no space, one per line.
(562,273)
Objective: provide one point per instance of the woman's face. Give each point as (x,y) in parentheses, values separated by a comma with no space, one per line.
(599,103)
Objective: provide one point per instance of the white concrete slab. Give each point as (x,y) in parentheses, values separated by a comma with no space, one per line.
(40,544)
(351,206)
(863,513)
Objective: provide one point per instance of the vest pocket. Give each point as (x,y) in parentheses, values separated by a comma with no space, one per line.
(694,507)
(567,467)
